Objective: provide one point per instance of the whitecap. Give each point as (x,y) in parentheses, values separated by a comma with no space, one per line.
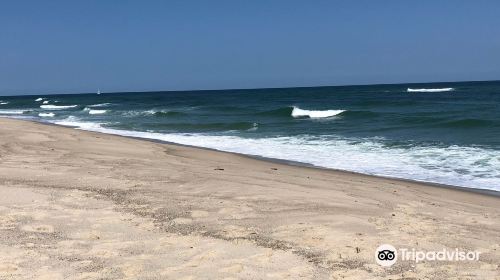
(94,112)
(97,112)
(50,115)
(297,112)
(429,89)
(12,112)
(135,113)
(77,123)
(46,102)
(57,107)
(39,99)
(100,105)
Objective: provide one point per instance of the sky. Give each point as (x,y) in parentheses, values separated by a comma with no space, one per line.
(80,46)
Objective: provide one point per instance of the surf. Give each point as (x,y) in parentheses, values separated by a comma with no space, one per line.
(297,112)
(57,107)
(99,105)
(12,112)
(50,115)
(94,111)
(97,112)
(390,127)
(358,155)
(167,113)
(429,89)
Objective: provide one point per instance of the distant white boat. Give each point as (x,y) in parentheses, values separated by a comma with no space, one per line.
(98,91)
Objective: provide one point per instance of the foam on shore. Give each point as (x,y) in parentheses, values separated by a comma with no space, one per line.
(369,156)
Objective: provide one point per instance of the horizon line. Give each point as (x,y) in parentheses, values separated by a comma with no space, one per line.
(263,88)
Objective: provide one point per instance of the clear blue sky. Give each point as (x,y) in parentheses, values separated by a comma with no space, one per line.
(78,46)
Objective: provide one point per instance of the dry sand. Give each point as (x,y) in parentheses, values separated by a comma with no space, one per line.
(84,205)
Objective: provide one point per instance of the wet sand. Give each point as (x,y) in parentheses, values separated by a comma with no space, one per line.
(85,205)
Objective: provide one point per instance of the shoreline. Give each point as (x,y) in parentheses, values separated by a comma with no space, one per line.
(291,162)
(78,204)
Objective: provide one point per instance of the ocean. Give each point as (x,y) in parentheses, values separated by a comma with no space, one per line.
(447,133)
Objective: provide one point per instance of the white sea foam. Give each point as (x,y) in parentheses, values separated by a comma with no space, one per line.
(429,89)
(150,112)
(97,112)
(100,105)
(297,112)
(76,122)
(11,112)
(454,165)
(45,102)
(39,99)
(94,112)
(50,115)
(57,107)
(3,103)
(135,113)
(254,127)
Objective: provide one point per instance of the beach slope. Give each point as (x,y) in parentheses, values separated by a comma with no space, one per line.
(85,205)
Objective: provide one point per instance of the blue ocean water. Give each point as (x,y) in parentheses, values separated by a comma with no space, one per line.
(445,133)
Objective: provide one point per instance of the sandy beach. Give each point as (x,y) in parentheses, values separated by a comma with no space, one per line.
(85,205)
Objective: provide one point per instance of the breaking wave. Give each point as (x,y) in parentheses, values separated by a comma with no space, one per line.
(57,107)
(429,89)
(50,115)
(97,112)
(297,112)
(12,112)
(94,112)
(100,105)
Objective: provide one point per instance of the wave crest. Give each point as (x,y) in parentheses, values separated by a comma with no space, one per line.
(50,115)
(429,89)
(167,113)
(100,105)
(94,112)
(12,112)
(57,107)
(297,112)
(97,112)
